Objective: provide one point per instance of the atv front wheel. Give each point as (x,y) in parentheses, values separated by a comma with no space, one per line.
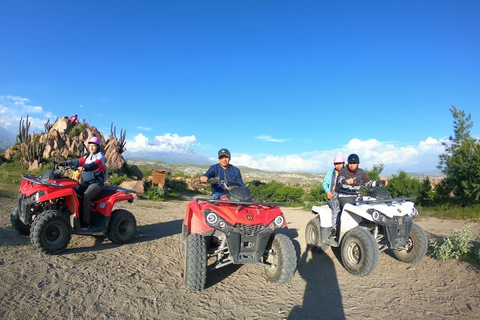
(313,236)
(122,227)
(359,252)
(17,224)
(282,259)
(417,245)
(50,233)
(195,272)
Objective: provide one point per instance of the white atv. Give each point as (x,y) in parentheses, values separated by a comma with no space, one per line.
(371,225)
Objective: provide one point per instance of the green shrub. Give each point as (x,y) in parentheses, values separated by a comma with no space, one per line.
(116,180)
(457,246)
(75,132)
(154,193)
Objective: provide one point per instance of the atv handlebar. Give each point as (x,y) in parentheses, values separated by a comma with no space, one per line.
(217,180)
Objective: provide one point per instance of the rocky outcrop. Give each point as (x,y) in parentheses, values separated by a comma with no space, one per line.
(58,144)
(134,185)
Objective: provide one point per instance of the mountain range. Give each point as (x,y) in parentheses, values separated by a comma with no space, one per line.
(7,139)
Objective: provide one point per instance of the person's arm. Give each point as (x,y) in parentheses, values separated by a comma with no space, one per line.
(73,163)
(327,181)
(209,174)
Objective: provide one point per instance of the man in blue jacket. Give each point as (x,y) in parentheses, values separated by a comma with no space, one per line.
(223,170)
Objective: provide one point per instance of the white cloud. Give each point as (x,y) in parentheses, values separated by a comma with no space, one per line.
(167,142)
(414,158)
(13,108)
(269,139)
(144,128)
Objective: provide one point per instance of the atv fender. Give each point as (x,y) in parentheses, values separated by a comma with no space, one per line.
(71,199)
(195,220)
(325,214)
(349,219)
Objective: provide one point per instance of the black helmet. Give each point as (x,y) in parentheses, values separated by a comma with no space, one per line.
(353,158)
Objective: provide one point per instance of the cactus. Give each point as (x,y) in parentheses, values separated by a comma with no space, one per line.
(34,150)
(123,135)
(23,128)
(49,125)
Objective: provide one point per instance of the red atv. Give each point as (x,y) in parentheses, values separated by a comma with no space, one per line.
(235,229)
(48,209)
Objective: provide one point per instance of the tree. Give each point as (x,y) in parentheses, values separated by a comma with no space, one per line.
(374,174)
(461,162)
(402,185)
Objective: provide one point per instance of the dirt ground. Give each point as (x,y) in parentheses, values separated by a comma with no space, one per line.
(95,279)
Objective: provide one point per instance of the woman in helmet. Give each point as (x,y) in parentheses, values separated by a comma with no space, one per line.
(329,184)
(92,167)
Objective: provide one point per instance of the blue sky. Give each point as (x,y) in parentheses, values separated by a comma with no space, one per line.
(285,85)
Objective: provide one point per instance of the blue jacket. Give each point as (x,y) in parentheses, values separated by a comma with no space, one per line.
(230,174)
(329,182)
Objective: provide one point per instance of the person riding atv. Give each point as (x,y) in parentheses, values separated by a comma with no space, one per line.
(92,169)
(224,171)
(349,181)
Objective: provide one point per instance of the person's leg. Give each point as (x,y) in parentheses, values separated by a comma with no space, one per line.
(335,206)
(93,190)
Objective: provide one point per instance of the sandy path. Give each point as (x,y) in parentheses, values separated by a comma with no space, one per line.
(143,280)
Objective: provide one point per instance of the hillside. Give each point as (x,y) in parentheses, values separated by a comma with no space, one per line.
(303,179)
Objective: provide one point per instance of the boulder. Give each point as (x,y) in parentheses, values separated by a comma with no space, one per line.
(135,185)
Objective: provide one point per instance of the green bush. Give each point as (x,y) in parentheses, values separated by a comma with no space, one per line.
(116,180)
(457,246)
(79,128)
(154,193)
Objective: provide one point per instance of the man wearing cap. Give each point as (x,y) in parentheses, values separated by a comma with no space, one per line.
(223,170)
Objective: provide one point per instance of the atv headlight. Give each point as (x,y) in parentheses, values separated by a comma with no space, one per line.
(38,195)
(379,217)
(212,218)
(278,222)
(414,212)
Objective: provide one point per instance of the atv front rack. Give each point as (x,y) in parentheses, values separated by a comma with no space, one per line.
(384,200)
(244,203)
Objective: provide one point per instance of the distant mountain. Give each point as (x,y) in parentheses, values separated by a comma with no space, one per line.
(168,157)
(7,139)
(167,152)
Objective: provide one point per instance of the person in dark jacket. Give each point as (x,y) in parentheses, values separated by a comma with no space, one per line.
(223,170)
(349,181)
(92,167)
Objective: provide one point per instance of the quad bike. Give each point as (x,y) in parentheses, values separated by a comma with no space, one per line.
(369,226)
(48,209)
(234,229)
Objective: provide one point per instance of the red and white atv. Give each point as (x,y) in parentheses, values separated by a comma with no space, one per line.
(48,209)
(235,230)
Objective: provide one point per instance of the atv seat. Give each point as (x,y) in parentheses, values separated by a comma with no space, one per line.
(107,191)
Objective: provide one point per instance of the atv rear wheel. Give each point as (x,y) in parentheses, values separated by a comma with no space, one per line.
(122,227)
(195,271)
(50,233)
(417,245)
(359,252)
(17,224)
(313,236)
(282,259)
